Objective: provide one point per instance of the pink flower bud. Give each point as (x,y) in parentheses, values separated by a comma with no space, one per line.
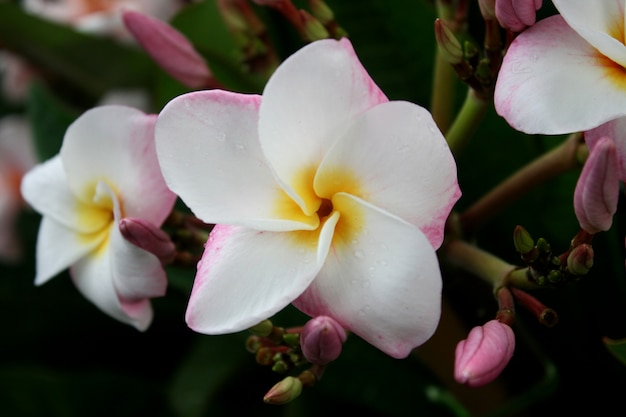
(580,259)
(321,340)
(169,48)
(148,237)
(597,190)
(484,354)
(517,15)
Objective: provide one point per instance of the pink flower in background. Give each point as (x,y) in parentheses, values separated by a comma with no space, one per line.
(566,73)
(481,357)
(17,155)
(106,170)
(325,194)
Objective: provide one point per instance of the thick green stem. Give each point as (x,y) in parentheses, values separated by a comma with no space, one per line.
(467,121)
(476,261)
(557,161)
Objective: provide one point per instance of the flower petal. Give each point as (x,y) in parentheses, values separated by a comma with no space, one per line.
(115,144)
(552,81)
(208,148)
(92,275)
(246,276)
(309,102)
(601,23)
(58,247)
(395,158)
(381,279)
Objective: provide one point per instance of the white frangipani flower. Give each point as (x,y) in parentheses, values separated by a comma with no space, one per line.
(325,194)
(106,170)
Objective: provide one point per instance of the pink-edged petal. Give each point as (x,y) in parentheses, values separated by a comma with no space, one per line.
(308,103)
(246,276)
(136,273)
(616,130)
(381,279)
(597,191)
(92,275)
(58,247)
(600,23)
(553,82)
(395,157)
(115,144)
(209,151)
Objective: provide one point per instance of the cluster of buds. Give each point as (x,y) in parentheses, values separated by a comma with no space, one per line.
(544,268)
(301,352)
(318,23)
(478,69)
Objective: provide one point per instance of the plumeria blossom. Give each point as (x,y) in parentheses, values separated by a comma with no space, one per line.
(325,194)
(106,171)
(17,155)
(566,73)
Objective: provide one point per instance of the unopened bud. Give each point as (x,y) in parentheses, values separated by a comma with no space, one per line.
(322,339)
(522,240)
(169,48)
(484,354)
(321,11)
(580,259)
(448,45)
(517,15)
(264,328)
(148,237)
(284,392)
(487,9)
(313,28)
(597,190)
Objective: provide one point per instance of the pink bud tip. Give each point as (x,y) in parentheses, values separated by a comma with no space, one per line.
(284,392)
(148,237)
(517,15)
(484,354)
(322,339)
(597,191)
(169,48)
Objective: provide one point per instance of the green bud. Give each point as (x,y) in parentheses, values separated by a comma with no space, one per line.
(284,392)
(292,339)
(448,45)
(554,276)
(262,329)
(253,343)
(543,246)
(580,259)
(264,356)
(280,366)
(313,28)
(321,11)
(522,240)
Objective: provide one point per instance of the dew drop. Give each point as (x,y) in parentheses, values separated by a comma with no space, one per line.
(221,137)
(240,147)
(359,254)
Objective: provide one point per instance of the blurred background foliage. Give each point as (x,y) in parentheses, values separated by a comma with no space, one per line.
(61,357)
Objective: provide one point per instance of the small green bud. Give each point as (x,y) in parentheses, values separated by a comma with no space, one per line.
(262,329)
(313,28)
(321,11)
(280,366)
(522,240)
(543,246)
(264,356)
(580,259)
(292,339)
(448,45)
(253,343)
(284,392)
(554,276)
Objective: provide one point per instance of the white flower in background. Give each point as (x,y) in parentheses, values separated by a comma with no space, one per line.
(105,171)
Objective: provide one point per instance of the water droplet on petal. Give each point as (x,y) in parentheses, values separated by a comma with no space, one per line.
(359,254)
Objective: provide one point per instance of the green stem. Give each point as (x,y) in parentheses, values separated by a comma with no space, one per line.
(557,161)
(467,121)
(476,261)
(444,76)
